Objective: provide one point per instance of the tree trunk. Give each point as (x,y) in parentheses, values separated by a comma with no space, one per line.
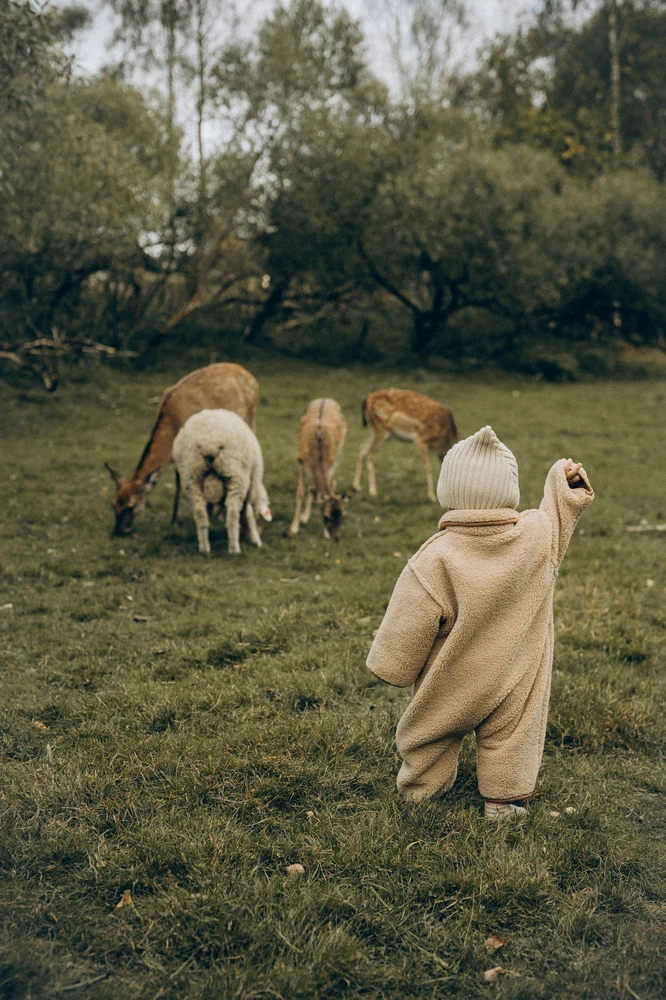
(426,327)
(169,23)
(201,98)
(255,330)
(614,47)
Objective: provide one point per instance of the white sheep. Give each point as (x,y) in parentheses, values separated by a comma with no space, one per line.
(219,460)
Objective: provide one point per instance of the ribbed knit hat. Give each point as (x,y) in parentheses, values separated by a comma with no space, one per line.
(479,473)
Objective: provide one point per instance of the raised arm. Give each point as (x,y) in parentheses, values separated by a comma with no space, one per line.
(407,633)
(566,495)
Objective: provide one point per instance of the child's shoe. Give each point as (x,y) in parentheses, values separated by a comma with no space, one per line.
(504,810)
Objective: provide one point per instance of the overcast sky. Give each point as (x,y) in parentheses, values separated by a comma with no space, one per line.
(486,18)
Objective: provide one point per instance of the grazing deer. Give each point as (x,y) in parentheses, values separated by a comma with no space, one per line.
(219,386)
(409,416)
(321,435)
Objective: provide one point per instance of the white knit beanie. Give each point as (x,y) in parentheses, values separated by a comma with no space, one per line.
(479,473)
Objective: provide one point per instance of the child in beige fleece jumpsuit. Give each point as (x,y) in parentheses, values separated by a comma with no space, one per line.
(470,626)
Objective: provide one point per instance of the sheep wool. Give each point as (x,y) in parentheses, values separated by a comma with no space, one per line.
(479,473)
(219,460)
(470,625)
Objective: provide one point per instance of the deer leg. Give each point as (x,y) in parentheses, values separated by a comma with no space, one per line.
(305,517)
(300,489)
(252,527)
(427,464)
(200,513)
(362,455)
(375,445)
(234,507)
(176,500)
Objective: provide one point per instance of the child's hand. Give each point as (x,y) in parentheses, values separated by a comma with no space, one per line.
(572,472)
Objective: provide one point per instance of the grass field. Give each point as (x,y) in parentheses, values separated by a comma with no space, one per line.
(186,728)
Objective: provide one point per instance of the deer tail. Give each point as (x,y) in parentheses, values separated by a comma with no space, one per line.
(364,412)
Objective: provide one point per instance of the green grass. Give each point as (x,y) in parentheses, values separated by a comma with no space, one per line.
(191,757)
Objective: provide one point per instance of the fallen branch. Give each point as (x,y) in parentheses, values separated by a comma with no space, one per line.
(83,983)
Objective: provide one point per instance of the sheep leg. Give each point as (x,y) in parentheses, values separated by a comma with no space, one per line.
(176,500)
(300,489)
(252,526)
(427,464)
(234,508)
(200,513)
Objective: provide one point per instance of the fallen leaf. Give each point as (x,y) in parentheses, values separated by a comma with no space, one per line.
(6,607)
(125,901)
(493,942)
(38,724)
(288,579)
(295,869)
(570,810)
(553,812)
(490,975)
(649,583)
(396,555)
(310,815)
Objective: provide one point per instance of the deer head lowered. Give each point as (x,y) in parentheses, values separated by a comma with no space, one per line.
(321,435)
(130,498)
(219,386)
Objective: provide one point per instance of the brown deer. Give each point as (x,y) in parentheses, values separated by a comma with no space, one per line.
(409,416)
(219,386)
(321,435)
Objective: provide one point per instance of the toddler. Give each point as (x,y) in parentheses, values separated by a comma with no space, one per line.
(470,626)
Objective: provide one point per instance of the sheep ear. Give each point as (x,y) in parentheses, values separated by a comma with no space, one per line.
(112,472)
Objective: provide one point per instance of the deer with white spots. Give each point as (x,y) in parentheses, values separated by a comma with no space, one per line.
(408,416)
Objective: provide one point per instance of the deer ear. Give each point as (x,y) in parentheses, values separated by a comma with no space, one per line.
(112,472)
(347,495)
(151,478)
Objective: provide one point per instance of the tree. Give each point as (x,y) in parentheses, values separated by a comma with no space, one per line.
(302,98)
(84,191)
(421,36)
(153,31)
(460,227)
(591,90)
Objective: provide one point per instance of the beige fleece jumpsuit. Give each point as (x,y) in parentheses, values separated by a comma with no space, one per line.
(470,625)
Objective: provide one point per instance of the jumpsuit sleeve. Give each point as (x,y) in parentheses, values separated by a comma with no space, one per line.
(407,633)
(563,505)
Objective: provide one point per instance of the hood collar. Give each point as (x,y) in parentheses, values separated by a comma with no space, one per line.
(478,518)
